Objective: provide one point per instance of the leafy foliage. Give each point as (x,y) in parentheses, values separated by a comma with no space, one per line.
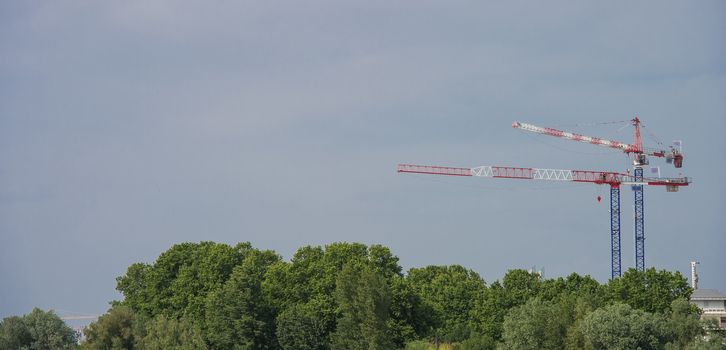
(300,328)
(363,299)
(237,314)
(309,282)
(684,323)
(14,334)
(410,317)
(353,296)
(39,330)
(713,339)
(649,290)
(178,281)
(536,325)
(171,334)
(451,293)
(115,330)
(619,326)
(491,308)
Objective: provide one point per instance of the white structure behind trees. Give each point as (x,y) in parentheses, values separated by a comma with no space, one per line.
(711,301)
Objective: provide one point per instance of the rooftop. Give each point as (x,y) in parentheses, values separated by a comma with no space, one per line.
(707,294)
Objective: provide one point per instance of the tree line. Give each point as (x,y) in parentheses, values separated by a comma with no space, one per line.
(351,296)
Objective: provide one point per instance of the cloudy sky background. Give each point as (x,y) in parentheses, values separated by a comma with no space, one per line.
(126,127)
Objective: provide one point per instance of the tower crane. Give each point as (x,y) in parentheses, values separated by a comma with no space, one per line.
(672,156)
(613,179)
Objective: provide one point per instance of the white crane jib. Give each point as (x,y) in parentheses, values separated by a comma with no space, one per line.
(671,155)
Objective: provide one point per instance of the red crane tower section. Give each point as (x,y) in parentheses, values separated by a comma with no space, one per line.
(613,179)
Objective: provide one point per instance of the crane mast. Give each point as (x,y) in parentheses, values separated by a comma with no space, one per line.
(613,179)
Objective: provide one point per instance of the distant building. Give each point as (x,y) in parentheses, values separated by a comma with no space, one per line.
(711,301)
(713,304)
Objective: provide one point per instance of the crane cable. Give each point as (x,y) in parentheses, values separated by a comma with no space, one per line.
(592,124)
(538,139)
(651,135)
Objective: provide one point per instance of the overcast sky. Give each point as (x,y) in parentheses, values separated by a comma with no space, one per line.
(129,126)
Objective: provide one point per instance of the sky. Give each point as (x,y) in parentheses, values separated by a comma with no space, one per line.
(129,126)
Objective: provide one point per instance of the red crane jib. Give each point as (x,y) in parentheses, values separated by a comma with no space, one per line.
(433,170)
(503,172)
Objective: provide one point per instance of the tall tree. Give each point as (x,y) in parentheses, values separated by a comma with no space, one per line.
(178,282)
(536,325)
(489,310)
(684,323)
(649,290)
(520,285)
(171,334)
(714,337)
(115,330)
(299,327)
(363,298)
(238,316)
(575,339)
(492,304)
(451,292)
(41,330)
(48,331)
(14,334)
(410,317)
(573,285)
(310,278)
(620,327)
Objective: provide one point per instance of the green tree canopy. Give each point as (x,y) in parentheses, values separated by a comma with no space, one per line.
(299,327)
(363,299)
(649,290)
(451,293)
(492,304)
(41,330)
(171,334)
(14,333)
(178,282)
(310,278)
(351,296)
(520,285)
(684,324)
(573,285)
(620,327)
(114,330)
(238,316)
(536,325)
(410,317)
